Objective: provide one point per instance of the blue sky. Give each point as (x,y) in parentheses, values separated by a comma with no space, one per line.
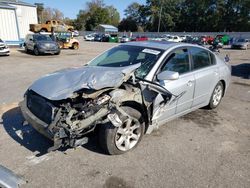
(70,8)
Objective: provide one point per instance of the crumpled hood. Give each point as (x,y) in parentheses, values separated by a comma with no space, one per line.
(62,84)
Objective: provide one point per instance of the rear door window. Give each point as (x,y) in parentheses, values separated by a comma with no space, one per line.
(201,58)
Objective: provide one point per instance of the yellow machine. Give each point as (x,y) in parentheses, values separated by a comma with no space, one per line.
(67,40)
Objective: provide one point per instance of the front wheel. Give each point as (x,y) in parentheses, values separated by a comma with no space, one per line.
(216,96)
(119,140)
(26,49)
(36,51)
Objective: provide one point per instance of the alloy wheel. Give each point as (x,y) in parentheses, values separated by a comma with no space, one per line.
(217,95)
(128,135)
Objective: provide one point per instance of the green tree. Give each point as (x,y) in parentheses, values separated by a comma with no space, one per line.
(114,16)
(169,12)
(128,24)
(96,13)
(138,13)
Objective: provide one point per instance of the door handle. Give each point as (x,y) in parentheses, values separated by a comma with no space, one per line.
(190,83)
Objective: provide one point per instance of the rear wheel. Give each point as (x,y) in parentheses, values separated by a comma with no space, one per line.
(75,46)
(216,96)
(119,140)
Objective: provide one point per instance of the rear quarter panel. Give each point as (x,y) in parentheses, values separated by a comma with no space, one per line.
(224,71)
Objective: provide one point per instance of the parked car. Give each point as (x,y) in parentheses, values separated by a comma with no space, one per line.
(113,38)
(208,39)
(105,37)
(241,43)
(51,25)
(41,44)
(184,37)
(98,38)
(223,39)
(174,39)
(67,40)
(90,37)
(4,49)
(125,92)
(124,39)
(194,40)
(139,38)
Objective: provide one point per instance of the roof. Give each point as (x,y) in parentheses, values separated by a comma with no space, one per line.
(163,45)
(108,26)
(16,2)
(6,6)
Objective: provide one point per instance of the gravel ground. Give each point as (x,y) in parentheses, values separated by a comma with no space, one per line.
(202,149)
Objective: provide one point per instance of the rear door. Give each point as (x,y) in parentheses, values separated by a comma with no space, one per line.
(183,88)
(206,75)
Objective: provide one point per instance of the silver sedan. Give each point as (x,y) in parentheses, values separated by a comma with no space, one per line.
(126,92)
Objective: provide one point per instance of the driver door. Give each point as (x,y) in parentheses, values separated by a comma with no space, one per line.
(181,88)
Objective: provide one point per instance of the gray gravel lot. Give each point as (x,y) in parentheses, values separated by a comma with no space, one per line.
(202,149)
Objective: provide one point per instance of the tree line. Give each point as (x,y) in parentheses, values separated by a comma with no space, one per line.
(188,15)
(167,15)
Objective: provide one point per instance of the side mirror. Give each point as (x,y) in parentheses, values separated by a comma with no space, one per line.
(168,75)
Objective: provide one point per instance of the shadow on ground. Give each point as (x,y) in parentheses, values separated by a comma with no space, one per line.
(28,137)
(31,54)
(241,70)
(24,135)
(204,118)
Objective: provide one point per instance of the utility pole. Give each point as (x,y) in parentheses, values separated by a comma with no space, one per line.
(159,23)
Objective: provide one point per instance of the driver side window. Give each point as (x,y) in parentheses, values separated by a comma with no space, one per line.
(178,61)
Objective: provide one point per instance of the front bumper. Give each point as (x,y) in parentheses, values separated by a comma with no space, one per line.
(36,123)
(5,51)
(48,51)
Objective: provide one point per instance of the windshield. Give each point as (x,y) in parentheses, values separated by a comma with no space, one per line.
(124,55)
(42,38)
(1,40)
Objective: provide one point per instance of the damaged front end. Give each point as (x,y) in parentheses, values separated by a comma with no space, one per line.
(68,121)
(65,122)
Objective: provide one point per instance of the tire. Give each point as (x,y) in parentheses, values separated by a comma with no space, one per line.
(75,46)
(216,96)
(60,43)
(36,51)
(58,53)
(115,141)
(26,50)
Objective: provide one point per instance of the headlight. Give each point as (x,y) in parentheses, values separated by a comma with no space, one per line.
(102,99)
(42,45)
